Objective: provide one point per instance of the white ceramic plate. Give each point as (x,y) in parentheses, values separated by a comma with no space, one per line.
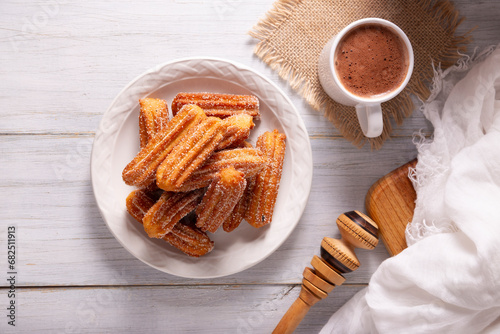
(117,142)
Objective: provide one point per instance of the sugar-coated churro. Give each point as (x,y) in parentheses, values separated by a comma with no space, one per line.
(141,170)
(188,239)
(265,189)
(168,211)
(219,105)
(238,214)
(198,165)
(237,130)
(249,161)
(138,202)
(153,118)
(189,154)
(219,200)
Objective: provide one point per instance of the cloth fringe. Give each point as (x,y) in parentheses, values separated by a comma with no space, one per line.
(428,167)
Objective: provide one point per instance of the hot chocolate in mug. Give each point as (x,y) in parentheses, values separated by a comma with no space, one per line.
(368,62)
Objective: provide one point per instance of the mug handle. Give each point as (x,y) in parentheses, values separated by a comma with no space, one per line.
(370,119)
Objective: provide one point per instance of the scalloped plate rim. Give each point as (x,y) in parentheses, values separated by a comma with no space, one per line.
(299,123)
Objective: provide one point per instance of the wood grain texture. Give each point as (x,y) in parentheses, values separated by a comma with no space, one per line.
(390,202)
(62,65)
(59,224)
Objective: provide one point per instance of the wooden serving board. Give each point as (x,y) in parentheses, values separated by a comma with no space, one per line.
(390,202)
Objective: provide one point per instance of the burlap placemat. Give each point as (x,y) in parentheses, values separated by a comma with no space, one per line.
(293,33)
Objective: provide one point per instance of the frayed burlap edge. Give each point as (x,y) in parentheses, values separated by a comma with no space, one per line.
(443,11)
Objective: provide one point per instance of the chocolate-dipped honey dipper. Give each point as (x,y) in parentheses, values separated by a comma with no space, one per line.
(337,257)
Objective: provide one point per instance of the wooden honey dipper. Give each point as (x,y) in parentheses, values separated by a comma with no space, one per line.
(357,230)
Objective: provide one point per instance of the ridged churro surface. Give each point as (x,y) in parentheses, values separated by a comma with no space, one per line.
(249,161)
(168,211)
(237,129)
(265,189)
(153,118)
(219,200)
(190,153)
(138,202)
(188,239)
(141,170)
(198,165)
(218,105)
(238,214)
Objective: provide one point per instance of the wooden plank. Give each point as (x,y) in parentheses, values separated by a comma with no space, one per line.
(50,200)
(74,54)
(221,309)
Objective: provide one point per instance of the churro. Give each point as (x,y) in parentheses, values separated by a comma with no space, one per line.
(218,105)
(153,118)
(242,144)
(237,130)
(141,170)
(188,239)
(138,202)
(238,214)
(265,189)
(189,154)
(168,211)
(219,200)
(249,161)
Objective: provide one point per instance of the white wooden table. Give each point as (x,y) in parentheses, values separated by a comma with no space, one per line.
(61,64)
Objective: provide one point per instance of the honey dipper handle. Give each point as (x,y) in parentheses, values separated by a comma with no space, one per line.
(292,317)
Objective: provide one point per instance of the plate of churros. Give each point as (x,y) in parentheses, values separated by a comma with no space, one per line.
(201,167)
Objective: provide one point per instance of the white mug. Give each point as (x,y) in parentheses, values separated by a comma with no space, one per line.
(368,109)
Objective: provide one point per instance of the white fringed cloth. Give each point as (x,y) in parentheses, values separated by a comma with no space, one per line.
(448,279)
